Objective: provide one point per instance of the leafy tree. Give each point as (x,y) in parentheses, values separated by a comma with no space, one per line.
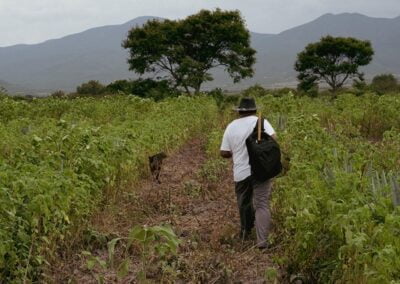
(184,51)
(92,87)
(332,60)
(384,83)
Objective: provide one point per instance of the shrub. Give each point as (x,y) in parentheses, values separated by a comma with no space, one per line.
(93,87)
(255,91)
(145,88)
(283,92)
(307,88)
(384,83)
(58,94)
(119,86)
(359,87)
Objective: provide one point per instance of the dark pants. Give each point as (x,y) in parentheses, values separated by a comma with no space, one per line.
(253,198)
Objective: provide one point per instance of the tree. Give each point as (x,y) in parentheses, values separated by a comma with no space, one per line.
(333,60)
(384,83)
(184,51)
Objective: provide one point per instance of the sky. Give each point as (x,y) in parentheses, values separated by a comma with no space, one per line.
(33,21)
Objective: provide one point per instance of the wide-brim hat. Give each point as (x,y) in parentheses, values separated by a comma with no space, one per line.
(246,104)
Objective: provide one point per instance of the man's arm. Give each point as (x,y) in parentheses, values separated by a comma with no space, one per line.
(226,154)
(225,149)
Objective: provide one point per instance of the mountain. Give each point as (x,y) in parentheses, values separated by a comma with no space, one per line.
(276,55)
(96,54)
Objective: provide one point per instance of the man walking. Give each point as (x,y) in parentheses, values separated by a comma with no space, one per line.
(252,196)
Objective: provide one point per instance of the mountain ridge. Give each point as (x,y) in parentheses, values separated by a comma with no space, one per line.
(96,53)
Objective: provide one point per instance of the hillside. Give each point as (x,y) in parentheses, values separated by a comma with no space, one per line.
(97,54)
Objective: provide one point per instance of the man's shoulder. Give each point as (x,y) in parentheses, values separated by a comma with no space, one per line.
(240,124)
(242,121)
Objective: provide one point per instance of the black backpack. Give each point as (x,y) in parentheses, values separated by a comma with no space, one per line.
(264,153)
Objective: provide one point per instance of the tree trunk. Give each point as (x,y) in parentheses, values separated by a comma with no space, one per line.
(334,91)
(187,90)
(197,89)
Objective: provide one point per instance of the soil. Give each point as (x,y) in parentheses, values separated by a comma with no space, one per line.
(203,214)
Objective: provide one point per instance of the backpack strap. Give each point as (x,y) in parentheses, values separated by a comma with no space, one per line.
(260,127)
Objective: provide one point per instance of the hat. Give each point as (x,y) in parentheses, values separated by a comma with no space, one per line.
(246,104)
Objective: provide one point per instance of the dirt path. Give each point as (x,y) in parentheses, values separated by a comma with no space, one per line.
(202,213)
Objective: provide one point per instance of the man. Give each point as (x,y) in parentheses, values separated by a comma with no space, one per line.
(252,196)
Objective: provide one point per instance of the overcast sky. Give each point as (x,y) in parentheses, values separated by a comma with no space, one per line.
(32,21)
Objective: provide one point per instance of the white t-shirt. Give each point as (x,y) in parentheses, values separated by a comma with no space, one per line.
(234,140)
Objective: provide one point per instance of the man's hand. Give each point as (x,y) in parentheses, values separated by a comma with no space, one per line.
(226,154)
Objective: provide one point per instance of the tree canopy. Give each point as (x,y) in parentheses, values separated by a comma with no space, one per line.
(332,60)
(185,50)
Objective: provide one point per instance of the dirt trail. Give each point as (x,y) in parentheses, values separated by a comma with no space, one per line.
(203,214)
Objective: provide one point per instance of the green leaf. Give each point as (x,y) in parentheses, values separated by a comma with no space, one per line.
(91,263)
(123,268)
(111,250)
(138,233)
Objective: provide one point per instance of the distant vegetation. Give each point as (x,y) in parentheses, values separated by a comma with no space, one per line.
(145,88)
(160,90)
(385,83)
(92,87)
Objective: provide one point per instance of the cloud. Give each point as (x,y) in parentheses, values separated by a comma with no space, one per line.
(31,21)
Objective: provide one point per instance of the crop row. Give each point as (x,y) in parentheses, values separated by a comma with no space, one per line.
(57,156)
(336,209)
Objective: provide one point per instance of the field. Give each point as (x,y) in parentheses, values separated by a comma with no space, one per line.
(77,201)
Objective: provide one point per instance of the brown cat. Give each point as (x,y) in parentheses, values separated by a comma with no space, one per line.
(155,163)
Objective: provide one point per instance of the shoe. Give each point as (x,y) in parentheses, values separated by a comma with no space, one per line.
(264,247)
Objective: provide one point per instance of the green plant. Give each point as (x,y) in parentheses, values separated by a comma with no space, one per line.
(192,188)
(271,275)
(154,241)
(95,261)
